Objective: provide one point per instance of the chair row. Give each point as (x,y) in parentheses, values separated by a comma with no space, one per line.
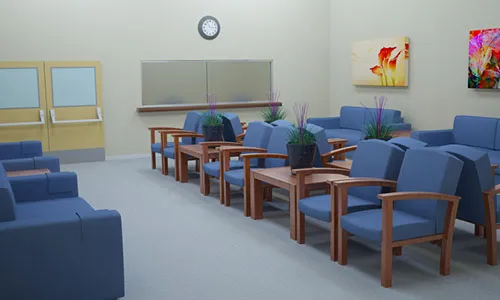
(426,184)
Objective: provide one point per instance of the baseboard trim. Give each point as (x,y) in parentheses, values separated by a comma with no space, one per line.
(127,156)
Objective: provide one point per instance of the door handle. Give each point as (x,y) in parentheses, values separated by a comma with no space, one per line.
(54,121)
(41,122)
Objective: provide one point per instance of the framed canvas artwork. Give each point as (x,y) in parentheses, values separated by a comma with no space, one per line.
(484,59)
(381,62)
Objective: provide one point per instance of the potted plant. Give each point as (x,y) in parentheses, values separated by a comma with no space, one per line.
(273,112)
(377,127)
(212,124)
(301,146)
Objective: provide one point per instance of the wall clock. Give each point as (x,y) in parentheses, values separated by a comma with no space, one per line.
(209,27)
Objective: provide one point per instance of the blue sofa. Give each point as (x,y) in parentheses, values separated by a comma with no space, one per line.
(478,132)
(352,120)
(26,155)
(54,244)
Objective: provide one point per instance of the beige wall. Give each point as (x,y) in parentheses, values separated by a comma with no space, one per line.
(438,32)
(121,33)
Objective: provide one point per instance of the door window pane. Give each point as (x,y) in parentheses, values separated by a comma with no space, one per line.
(19,88)
(73,87)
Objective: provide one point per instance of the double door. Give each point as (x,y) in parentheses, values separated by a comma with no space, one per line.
(58,103)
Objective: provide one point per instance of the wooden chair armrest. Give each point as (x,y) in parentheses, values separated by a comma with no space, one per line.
(240,137)
(240,149)
(164,128)
(493,191)
(326,156)
(358,182)
(187,134)
(310,171)
(243,123)
(402,196)
(264,155)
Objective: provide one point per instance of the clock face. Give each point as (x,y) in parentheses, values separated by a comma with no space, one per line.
(209,27)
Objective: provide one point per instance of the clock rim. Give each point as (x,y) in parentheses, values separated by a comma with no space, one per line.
(200,27)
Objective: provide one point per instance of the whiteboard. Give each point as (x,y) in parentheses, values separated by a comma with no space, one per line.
(171,83)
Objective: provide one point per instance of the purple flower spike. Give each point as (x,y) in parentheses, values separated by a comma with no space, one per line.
(379,111)
(212,103)
(273,102)
(301,115)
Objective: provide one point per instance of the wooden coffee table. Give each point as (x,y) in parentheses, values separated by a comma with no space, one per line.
(401,133)
(337,144)
(188,152)
(27,172)
(283,178)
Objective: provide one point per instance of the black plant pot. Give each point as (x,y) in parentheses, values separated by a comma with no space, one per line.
(301,156)
(213,133)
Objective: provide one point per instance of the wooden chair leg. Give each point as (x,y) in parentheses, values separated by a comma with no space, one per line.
(491,242)
(301,227)
(397,251)
(227,195)
(153,160)
(164,165)
(205,184)
(268,195)
(197,168)
(445,263)
(342,247)
(386,272)
(479,230)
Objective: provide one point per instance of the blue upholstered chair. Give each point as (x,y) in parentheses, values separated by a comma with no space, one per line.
(406,143)
(482,133)
(256,138)
(422,209)
(272,157)
(233,130)
(191,124)
(54,244)
(373,158)
(477,189)
(26,155)
(283,123)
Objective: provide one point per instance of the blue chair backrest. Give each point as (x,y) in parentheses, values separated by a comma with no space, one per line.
(428,170)
(24,149)
(476,178)
(257,136)
(192,123)
(322,145)
(375,159)
(356,117)
(277,144)
(232,127)
(7,200)
(406,143)
(283,123)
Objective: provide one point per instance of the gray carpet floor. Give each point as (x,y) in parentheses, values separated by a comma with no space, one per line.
(179,244)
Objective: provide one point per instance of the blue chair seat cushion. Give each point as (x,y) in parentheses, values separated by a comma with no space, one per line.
(319,207)
(352,136)
(213,168)
(235,177)
(156,147)
(48,209)
(368,224)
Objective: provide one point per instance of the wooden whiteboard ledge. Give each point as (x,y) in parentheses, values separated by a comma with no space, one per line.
(187,107)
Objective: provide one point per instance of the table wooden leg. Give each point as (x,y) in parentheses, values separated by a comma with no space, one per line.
(256,198)
(204,181)
(294,222)
(183,167)
(334,225)
(479,230)
(153,160)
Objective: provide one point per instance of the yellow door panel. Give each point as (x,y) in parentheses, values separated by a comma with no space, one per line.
(23,114)
(74,103)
